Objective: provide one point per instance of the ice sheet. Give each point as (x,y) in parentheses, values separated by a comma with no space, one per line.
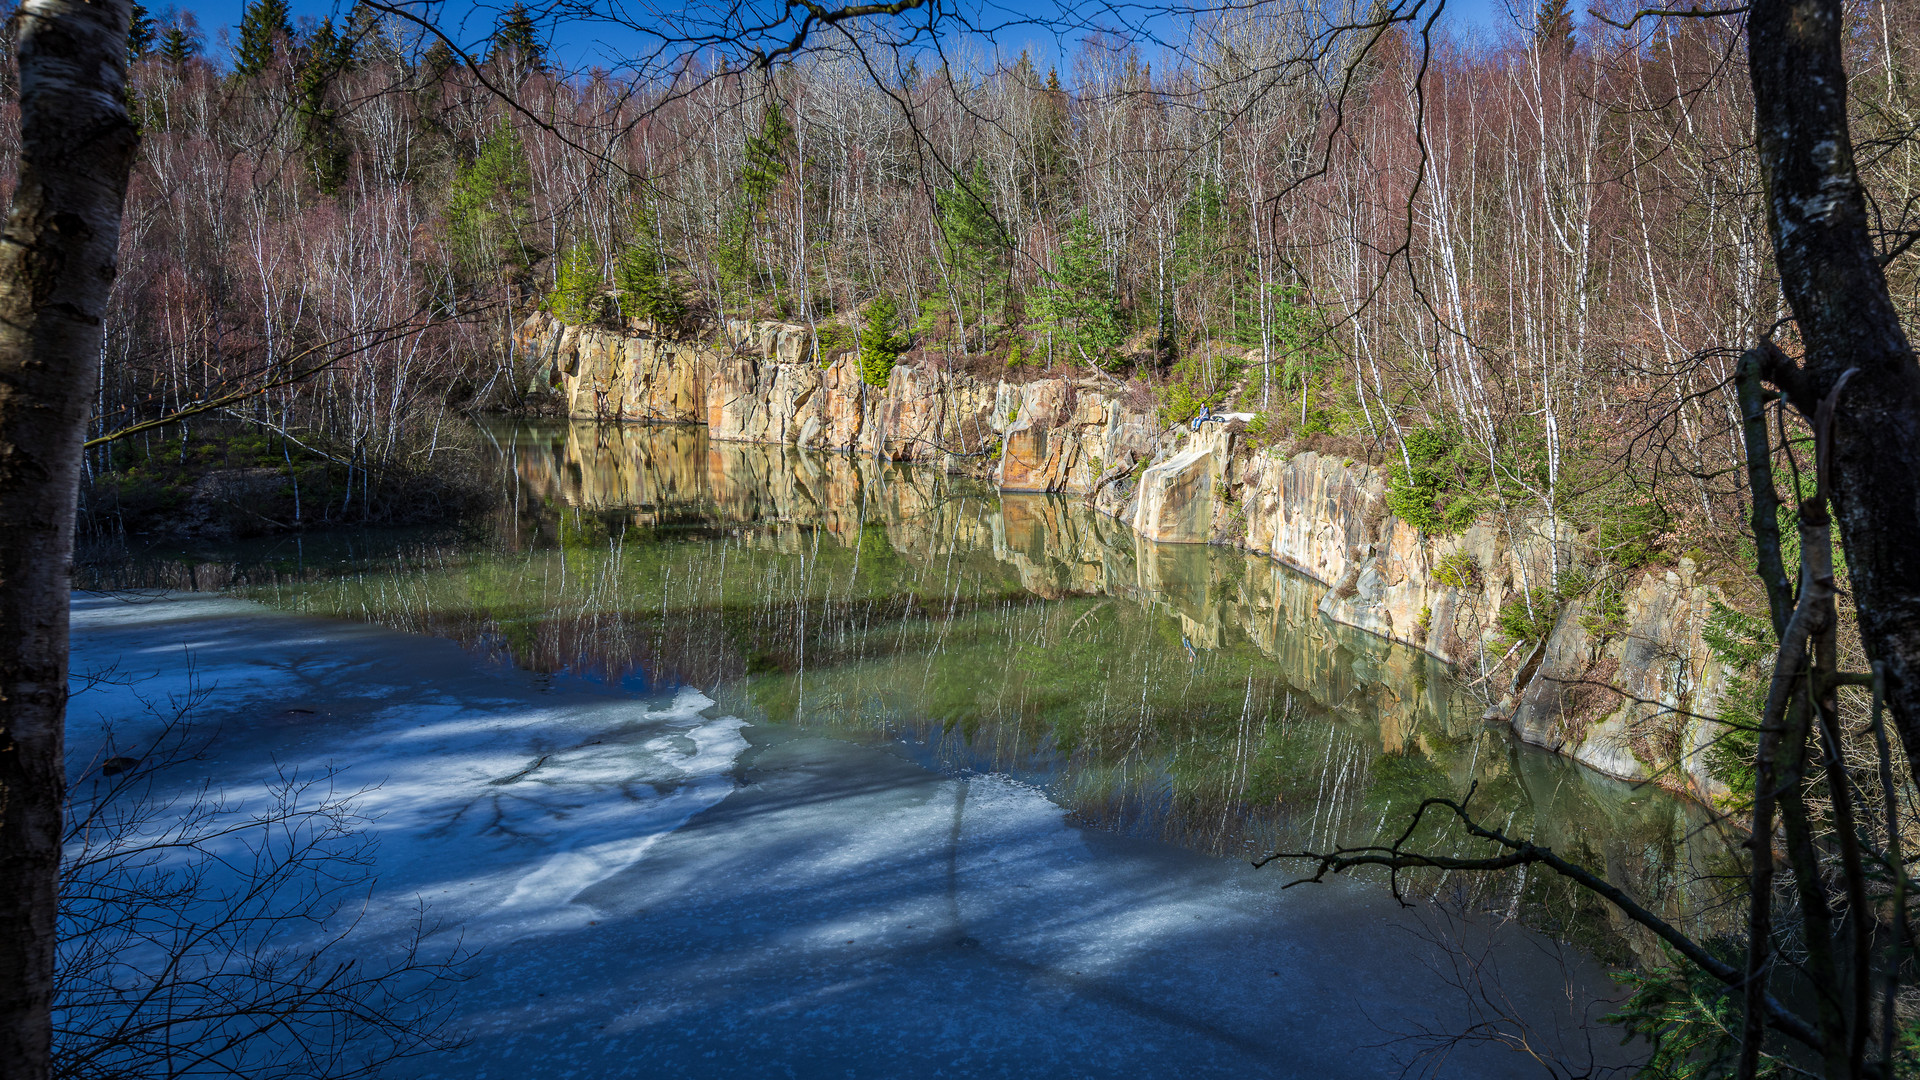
(658,890)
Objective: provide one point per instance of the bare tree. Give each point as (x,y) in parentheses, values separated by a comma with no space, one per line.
(214,933)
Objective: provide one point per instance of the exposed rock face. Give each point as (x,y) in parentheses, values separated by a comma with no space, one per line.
(1623,698)
(1176,496)
(1632,696)
(761,383)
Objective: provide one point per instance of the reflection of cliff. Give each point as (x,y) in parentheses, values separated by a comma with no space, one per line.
(761,383)
(1057,548)
(862,594)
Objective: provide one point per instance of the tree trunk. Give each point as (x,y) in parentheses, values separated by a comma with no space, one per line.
(1817,215)
(56,268)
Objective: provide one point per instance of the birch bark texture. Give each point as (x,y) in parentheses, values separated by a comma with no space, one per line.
(1833,280)
(57,266)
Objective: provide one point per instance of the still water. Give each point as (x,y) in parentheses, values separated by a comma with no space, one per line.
(1186,693)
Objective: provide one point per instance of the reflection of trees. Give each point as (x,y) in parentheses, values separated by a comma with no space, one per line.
(1186,692)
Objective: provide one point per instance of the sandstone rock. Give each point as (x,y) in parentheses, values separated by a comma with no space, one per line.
(1351,569)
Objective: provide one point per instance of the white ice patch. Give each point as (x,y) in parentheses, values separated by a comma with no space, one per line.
(590,859)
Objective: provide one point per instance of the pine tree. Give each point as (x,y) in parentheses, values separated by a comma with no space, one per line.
(578,286)
(880,341)
(1553,26)
(263,29)
(489,205)
(179,44)
(1046,164)
(140,33)
(1203,268)
(766,157)
(976,246)
(438,60)
(764,167)
(647,291)
(326,54)
(1078,305)
(519,38)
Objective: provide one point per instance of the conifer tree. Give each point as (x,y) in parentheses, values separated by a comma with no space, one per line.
(647,291)
(578,284)
(1046,164)
(519,38)
(326,55)
(1078,306)
(764,167)
(1553,26)
(977,248)
(880,341)
(489,205)
(140,33)
(1203,267)
(178,45)
(263,29)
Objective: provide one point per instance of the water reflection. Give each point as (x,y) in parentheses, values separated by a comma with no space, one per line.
(1186,692)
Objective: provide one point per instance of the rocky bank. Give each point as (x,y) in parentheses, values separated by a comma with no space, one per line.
(1625,694)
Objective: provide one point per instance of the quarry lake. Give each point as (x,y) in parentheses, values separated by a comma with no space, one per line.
(739,758)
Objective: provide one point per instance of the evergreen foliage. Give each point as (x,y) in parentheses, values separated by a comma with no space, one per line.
(518,38)
(1199,380)
(1529,615)
(326,146)
(1744,644)
(1690,1019)
(763,167)
(647,290)
(140,33)
(579,288)
(1048,174)
(1078,305)
(976,245)
(880,341)
(1297,332)
(178,45)
(1442,492)
(263,29)
(831,339)
(1459,570)
(1553,27)
(1630,531)
(488,208)
(1203,263)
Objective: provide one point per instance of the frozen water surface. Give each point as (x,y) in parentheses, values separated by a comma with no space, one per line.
(660,889)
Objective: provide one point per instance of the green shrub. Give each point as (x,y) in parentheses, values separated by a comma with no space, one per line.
(1605,612)
(1199,380)
(880,343)
(1630,533)
(1445,487)
(578,287)
(1745,644)
(646,290)
(1459,570)
(1079,303)
(1689,1019)
(1528,615)
(832,339)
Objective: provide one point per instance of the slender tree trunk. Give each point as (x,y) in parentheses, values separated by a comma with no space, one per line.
(1818,218)
(56,268)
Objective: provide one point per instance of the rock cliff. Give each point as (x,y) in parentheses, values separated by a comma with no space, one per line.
(1624,690)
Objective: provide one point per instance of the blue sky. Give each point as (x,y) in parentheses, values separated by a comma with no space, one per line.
(576,45)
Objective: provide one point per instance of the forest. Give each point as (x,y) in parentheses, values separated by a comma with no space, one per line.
(1534,271)
(1522,261)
